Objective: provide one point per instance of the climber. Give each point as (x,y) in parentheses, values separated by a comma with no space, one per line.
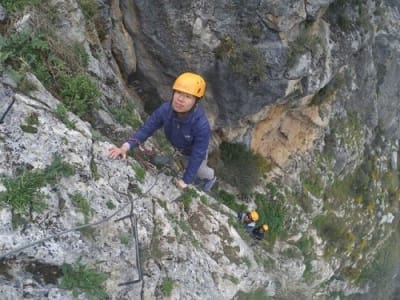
(185,126)
(248,219)
(258,232)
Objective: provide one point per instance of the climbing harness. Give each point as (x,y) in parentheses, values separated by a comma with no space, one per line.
(6,111)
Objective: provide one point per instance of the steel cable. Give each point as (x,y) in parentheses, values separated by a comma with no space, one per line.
(19,249)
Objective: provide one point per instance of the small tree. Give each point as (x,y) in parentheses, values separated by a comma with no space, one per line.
(241,166)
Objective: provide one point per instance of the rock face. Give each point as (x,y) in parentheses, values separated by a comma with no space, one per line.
(264,54)
(310,85)
(167,233)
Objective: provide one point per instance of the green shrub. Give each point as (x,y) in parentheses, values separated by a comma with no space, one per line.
(140,173)
(204,199)
(31,123)
(126,116)
(253,30)
(248,61)
(125,238)
(243,58)
(305,42)
(110,204)
(241,168)
(62,114)
(27,50)
(230,201)
(383,269)
(381,71)
(258,294)
(342,19)
(80,55)
(80,278)
(358,185)
(18,5)
(22,193)
(273,190)
(329,89)
(58,169)
(59,67)
(333,230)
(305,245)
(246,260)
(79,201)
(272,213)
(167,286)
(233,279)
(79,94)
(225,48)
(187,196)
(312,182)
(89,8)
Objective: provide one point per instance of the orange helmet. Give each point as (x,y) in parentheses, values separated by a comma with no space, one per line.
(190,83)
(265,227)
(254,215)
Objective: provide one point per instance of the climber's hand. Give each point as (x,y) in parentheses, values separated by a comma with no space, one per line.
(115,152)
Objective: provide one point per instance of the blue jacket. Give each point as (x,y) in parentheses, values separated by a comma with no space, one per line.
(190,136)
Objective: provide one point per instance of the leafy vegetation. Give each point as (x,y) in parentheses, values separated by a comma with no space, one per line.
(312,182)
(349,13)
(258,294)
(140,173)
(272,213)
(79,94)
(187,196)
(89,8)
(167,286)
(61,113)
(358,185)
(17,5)
(80,278)
(31,123)
(60,69)
(127,116)
(305,245)
(23,192)
(383,269)
(79,201)
(305,42)
(110,204)
(328,90)
(125,238)
(229,200)
(27,51)
(333,230)
(242,57)
(242,168)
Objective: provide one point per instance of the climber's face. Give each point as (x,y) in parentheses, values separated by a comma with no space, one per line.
(182,102)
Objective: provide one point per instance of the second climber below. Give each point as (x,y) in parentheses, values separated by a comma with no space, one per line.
(248,219)
(185,126)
